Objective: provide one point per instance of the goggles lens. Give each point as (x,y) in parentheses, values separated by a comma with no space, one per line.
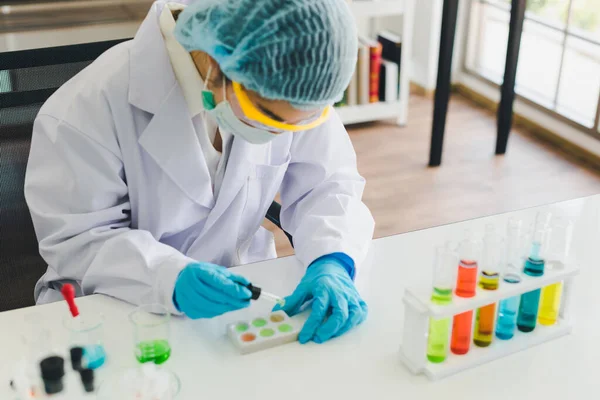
(251,115)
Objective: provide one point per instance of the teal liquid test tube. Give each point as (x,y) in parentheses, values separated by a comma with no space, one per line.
(528,310)
(530,301)
(534,266)
(506,320)
(445,264)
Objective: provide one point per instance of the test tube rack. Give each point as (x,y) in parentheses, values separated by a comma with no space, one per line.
(418,309)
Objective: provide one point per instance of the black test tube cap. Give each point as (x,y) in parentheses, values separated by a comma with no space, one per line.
(76,356)
(53,370)
(87,378)
(255,290)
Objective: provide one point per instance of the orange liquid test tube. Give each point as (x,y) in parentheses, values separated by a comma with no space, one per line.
(466,286)
(467,278)
(484,325)
(463,323)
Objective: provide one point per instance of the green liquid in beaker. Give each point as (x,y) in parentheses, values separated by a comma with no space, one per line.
(156,351)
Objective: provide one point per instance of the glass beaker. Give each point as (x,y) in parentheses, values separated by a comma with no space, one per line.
(142,382)
(151,333)
(87,331)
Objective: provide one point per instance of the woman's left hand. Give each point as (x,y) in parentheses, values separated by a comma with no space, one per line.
(337,307)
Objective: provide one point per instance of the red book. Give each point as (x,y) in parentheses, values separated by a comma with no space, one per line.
(375,49)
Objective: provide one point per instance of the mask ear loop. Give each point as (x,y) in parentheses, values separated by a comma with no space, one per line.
(224,88)
(207,77)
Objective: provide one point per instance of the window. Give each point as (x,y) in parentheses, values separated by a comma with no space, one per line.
(559,61)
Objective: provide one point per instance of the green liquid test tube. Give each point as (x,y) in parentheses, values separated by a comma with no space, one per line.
(439,328)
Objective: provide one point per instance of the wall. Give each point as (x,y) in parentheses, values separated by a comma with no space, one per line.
(65,36)
(426,41)
(427,28)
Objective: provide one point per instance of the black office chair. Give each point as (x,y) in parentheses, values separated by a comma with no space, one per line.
(27,79)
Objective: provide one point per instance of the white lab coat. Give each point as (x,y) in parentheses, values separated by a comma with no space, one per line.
(120,194)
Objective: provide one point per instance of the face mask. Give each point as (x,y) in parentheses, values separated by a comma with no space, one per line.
(228,121)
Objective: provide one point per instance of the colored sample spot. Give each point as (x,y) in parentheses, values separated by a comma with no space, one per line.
(285,328)
(248,337)
(277,318)
(259,322)
(267,332)
(241,327)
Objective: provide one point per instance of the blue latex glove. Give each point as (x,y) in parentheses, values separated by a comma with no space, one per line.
(337,306)
(204,290)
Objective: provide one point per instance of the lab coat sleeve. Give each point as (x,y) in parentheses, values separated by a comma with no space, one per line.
(77,194)
(321,196)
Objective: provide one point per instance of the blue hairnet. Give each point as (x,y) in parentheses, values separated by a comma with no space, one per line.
(301,51)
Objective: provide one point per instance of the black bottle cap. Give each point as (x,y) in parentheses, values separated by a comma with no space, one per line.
(87,378)
(76,356)
(255,291)
(52,368)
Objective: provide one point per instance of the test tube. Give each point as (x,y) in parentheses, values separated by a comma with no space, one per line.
(490,266)
(559,243)
(534,266)
(443,281)
(466,285)
(514,245)
(506,322)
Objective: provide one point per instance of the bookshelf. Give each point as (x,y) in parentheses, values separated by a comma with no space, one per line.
(398,110)
(377,8)
(368,112)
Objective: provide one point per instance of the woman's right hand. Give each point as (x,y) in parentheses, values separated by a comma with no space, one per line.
(204,290)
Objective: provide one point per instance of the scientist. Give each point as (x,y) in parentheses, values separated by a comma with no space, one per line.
(153,168)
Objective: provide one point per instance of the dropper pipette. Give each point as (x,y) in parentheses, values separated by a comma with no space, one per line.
(262,294)
(271,297)
(68,292)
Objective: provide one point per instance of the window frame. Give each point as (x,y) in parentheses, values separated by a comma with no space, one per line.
(565,31)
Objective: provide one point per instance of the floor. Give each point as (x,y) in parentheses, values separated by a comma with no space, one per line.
(404,194)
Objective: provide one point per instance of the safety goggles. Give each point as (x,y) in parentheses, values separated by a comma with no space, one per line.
(250,114)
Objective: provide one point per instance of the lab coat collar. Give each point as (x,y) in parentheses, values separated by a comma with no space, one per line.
(153,88)
(170,139)
(151,75)
(183,66)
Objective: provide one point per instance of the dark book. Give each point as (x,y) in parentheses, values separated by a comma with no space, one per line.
(391,49)
(382,81)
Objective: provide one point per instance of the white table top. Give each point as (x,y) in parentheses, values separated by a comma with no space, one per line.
(363,363)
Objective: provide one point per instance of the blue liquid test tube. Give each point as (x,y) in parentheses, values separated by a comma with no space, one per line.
(528,310)
(534,266)
(506,320)
(506,323)
(530,301)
